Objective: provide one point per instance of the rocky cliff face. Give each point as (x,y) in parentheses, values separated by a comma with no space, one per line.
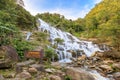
(20,2)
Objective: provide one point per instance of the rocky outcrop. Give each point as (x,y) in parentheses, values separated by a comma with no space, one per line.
(78,74)
(9,53)
(21,65)
(24,75)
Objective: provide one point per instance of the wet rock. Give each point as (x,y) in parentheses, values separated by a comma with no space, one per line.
(78,74)
(74,59)
(54,77)
(24,75)
(32,70)
(60,48)
(116,75)
(104,47)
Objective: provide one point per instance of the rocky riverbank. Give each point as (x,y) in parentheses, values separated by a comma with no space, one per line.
(81,68)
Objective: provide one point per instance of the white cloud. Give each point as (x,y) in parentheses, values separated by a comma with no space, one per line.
(97,1)
(68,13)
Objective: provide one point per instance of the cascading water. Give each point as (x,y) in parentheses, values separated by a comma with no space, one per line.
(71,43)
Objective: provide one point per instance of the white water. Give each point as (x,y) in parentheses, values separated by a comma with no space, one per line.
(70,42)
(28,35)
(97,76)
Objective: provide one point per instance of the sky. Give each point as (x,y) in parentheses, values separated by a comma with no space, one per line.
(71,9)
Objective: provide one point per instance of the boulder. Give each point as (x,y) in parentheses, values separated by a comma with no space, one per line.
(25,63)
(116,66)
(78,74)
(54,77)
(32,70)
(39,67)
(20,65)
(56,65)
(116,75)
(24,75)
(5,64)
(10,53)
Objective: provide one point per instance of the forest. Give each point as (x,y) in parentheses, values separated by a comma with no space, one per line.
(101,23)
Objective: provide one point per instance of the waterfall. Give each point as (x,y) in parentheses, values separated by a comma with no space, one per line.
(71,43)
(28,35)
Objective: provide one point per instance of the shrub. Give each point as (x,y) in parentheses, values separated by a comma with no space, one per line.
(68,77)
(50,54)
(22,46)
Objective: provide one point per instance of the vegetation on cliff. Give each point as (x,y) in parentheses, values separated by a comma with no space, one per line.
(14,19)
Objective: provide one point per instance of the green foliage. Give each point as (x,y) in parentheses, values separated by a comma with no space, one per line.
(103,22)
(60,22)
(21,46)
(50,54)
(68,77)
(41,36)
(14,14)
(58,40)
(13,18)
(7,32)
(24,19)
